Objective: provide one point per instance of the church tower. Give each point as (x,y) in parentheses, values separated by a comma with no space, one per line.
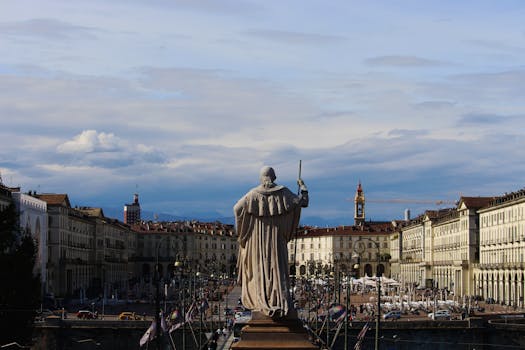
(359,204)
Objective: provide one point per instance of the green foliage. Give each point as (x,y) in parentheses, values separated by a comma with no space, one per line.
(8,228)
(19,287)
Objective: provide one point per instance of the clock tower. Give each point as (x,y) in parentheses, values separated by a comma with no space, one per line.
(359,206)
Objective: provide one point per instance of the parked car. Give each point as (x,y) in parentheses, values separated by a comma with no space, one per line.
(392,315)
(239,309)
(440,315)
(128,316)
(414,311)
(86,315)
(243,316)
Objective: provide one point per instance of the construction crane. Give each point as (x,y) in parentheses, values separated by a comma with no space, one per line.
(409,201)
(414,201)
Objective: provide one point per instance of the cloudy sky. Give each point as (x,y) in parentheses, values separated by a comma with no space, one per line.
(183,101)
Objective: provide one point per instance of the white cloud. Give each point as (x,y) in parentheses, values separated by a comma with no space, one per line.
(90,141)
(107,150)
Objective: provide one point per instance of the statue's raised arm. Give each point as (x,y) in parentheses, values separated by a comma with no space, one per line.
(266,219)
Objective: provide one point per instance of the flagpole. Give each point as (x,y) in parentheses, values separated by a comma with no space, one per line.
(180,264)
(347,310)
(328,314)
(157,296)
(200,327)
(172,342)
(295,242)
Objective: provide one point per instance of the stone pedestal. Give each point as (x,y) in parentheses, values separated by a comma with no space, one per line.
(264,333)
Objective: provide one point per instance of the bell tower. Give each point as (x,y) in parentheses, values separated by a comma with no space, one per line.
(359,206)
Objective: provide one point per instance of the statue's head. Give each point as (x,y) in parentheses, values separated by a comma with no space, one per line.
(267,176)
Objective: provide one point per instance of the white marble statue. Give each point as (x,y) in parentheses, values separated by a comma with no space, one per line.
(266,219)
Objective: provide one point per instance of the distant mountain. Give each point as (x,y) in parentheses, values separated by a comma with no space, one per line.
(117,213)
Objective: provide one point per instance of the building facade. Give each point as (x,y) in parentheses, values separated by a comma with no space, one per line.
(396,248)
(6,197)
(200,249)
(132,211)
(500,274)
(456,246)
(416,263)
(109,253)
(325,250)
(70,247)
(87,252)
(33,221)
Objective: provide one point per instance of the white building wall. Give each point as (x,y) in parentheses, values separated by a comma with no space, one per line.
(33,221)
(502,251)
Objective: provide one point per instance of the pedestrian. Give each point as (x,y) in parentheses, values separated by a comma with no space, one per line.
(212,345)
(224,331)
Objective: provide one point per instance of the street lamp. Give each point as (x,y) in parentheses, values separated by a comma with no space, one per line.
(348,277)
(180,264)
(157,297)
(359,247)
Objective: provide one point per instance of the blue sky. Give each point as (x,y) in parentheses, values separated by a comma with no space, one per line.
(184,101)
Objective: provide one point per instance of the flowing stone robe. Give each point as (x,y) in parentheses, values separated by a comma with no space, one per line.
(266,219)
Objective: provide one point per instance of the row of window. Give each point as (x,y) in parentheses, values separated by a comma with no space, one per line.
(511,214)
(499,256)
(508,234)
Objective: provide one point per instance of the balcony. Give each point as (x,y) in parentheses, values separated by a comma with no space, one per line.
(111,259)
(73,261)
(513,265)
(489,266)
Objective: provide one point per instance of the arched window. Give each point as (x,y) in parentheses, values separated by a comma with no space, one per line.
(302,270)
(368,270)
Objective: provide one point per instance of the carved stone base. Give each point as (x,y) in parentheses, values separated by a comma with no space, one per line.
(264,333)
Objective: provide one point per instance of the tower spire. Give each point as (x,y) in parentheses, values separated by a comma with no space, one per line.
(359,206)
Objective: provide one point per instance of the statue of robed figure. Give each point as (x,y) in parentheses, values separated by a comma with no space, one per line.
(266,219)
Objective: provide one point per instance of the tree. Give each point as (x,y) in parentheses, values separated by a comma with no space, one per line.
(8,228)
(19,286)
